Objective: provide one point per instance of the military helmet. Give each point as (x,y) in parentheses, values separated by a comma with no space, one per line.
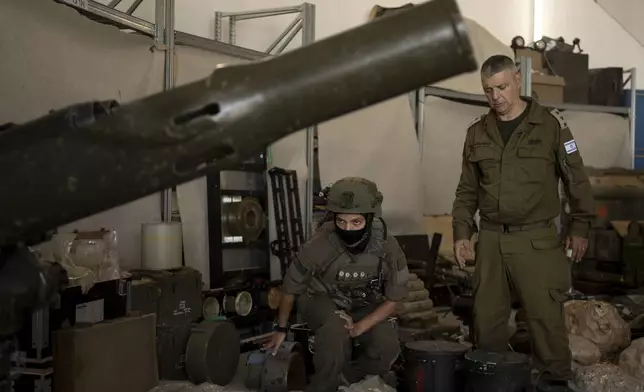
(354,195)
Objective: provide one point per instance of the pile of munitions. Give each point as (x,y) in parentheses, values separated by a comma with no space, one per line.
(416,311)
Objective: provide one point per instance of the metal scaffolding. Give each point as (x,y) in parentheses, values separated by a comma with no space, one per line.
(165,37)
(527,91)
(304,22)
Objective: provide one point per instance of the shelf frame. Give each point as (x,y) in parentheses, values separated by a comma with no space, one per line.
(480,100)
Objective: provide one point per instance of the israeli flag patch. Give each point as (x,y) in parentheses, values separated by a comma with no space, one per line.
(570,146)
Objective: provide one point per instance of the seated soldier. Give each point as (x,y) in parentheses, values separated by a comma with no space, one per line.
(348,278)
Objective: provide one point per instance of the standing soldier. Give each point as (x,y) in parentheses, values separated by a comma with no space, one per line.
(348,277)
(513,159)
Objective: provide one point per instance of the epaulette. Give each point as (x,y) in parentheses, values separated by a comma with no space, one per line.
(475,121)
(557,114)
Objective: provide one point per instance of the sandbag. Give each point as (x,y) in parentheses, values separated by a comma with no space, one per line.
(598,322)
(415,306)
(413,285)
(604,378)
(417,295)
(584,352)
(369,384)
(631,360)
(425,315)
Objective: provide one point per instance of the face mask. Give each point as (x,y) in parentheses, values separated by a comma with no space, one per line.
(356,240)
(351,237)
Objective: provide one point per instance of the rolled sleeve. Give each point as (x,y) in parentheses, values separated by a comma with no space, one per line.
(397,274)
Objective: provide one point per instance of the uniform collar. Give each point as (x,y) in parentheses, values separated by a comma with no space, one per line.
(535,116)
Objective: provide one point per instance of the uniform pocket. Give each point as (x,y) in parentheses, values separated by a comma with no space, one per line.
(558,295)
(546,243)
(482,152)
(488,160)
(533,164)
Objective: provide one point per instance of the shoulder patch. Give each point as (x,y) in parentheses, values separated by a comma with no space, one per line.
(475,121)
(557,114)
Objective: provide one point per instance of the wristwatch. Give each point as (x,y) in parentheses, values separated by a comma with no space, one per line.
(277,328)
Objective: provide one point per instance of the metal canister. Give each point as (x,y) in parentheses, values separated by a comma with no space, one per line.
(433,365)
(497,372)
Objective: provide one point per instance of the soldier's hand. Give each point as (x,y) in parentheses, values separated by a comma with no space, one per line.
(276,342)
(578,245)
(343,315)
(463,251)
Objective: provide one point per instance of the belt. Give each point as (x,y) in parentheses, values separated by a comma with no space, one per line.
(508,228)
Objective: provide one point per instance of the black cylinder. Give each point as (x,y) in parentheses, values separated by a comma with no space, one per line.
(497,372)
(433,366)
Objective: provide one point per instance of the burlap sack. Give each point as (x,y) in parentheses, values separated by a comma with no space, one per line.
(631,360)
(598,322)
(584,352)
(604,378)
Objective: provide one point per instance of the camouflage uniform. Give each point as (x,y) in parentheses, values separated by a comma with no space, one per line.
(515,188)
(328,278)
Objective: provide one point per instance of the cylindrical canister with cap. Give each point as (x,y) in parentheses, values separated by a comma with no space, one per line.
(434,366)
(497,372)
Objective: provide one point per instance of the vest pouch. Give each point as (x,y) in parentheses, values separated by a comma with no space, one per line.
(359,282)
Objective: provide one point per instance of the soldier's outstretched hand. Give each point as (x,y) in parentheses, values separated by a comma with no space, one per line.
(276,342)
(463,251)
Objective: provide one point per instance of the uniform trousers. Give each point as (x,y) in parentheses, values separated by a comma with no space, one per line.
(533,264)
(333,345)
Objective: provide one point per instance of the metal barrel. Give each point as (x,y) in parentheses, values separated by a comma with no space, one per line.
(283,372)
(212,354)
(92,157)
(497,372)
(433,366)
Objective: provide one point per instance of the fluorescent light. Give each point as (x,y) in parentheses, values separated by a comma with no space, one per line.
(537,19)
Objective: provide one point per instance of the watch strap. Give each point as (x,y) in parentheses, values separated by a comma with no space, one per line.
(277,328)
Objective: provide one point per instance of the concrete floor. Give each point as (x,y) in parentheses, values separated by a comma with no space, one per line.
(237,385)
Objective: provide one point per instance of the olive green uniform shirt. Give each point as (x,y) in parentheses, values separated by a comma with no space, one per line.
(517,183)
(323,265)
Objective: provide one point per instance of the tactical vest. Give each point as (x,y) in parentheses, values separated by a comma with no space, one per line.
(351,281)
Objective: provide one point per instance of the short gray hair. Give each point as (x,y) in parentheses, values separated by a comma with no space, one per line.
(497,63)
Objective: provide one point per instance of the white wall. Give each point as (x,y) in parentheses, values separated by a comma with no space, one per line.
(628,13)
(601,34)
(602,37)
(332,16)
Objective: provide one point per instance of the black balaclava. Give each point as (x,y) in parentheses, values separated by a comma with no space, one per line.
(356,240)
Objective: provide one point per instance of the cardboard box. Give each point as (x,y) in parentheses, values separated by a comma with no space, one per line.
(548,89)
(537,58)
(112,356)
(573,67)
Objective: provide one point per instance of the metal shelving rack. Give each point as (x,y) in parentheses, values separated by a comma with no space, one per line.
(219,185)
(479,99)
(304,22)
(165,38)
